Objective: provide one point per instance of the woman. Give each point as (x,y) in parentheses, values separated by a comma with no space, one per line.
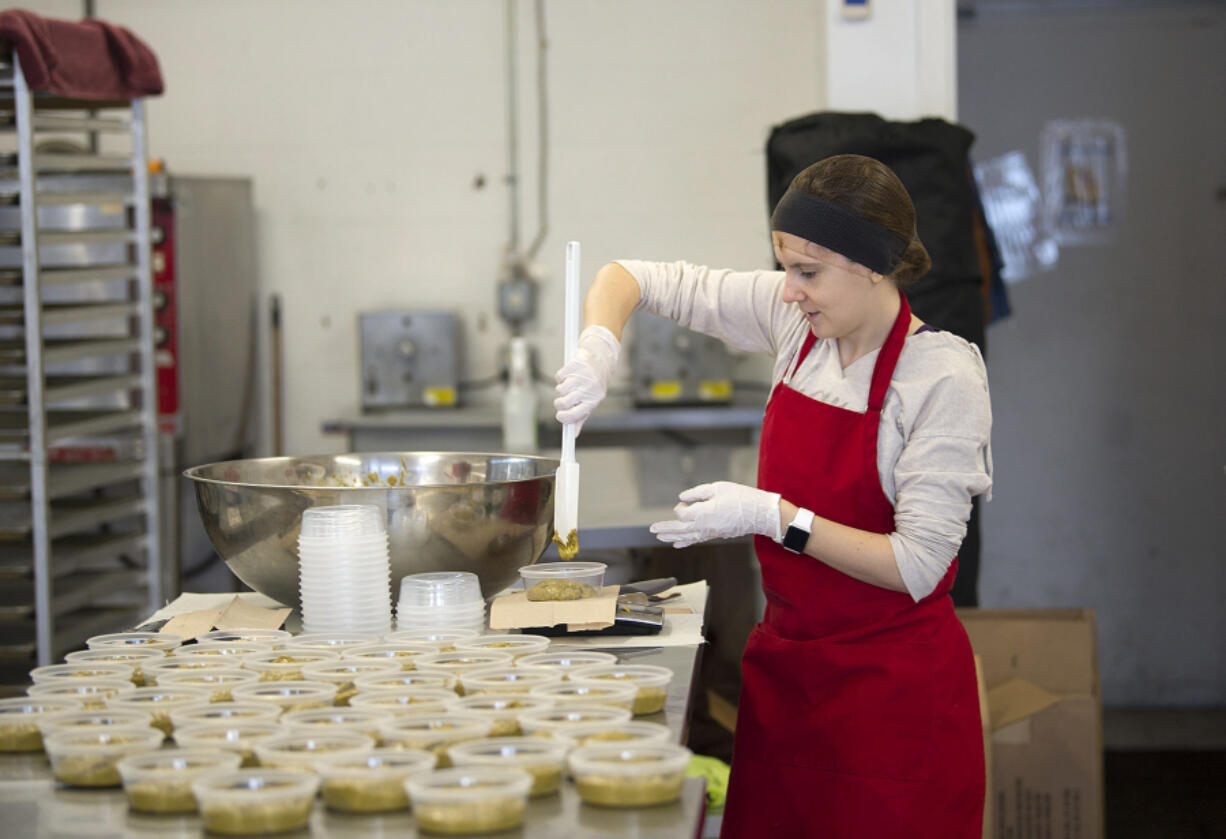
(858,714)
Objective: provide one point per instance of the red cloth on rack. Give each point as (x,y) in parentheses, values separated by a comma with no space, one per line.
(90,59)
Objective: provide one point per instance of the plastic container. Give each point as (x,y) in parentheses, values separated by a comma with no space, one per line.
(507,679)
(601,693)
(89,694)
(652,682)
(411,680)
(371,784)
(234,712)
(503,709)
(336,642)
(558,721)
(164,641)
(289,695)
(458,663)
(566,661)
(237,736)
(563,580)
(342,520)
(302,751)
(285,665)
(101,720)
(57,672)
(21,716)
(443,639)
(407,701)
(440,588)
(433,732)
(471,799)
(160,701)
(88,758)
(543,759)
(180,664)
(235,651)
(364,721)
(344,572)
(639,775)
(253,802)
(162,782)
(518,645)
(259,635)
(342,673)
(134,657)
(219,681)
(401,652)
(632,732)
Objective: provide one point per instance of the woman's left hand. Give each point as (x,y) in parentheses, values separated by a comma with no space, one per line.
(722,510)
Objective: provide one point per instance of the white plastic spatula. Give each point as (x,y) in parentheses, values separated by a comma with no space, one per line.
(566,501)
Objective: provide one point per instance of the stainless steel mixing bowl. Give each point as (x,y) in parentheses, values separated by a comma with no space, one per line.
(446,511)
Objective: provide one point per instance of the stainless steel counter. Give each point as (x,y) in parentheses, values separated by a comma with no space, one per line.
(33,805)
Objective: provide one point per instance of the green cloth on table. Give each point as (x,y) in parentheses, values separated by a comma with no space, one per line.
(716,773)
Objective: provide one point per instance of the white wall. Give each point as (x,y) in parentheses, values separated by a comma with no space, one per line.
(901,61)
(364,125)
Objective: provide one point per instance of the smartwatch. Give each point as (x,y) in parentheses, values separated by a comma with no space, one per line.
(797,534)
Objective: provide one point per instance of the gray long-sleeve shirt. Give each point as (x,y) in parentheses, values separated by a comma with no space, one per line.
(933,446)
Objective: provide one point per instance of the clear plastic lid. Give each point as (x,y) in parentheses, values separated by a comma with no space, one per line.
(363,721)
(443,639)
(630,760)
(401,652)
(611,693)
(517,644)
(406,680)
(301,750)
(623,732)
(560,719)
(164,641)
(468,785)
(345,671)
(440,588)
(566,661)
(226,712)
(457,662)
(257,634)
(508,679)
(99,720)
(238,735)
(426,730)
(408,700)
(234,650)
(509,751)
(289,694)
(337,642)
(134,656)
(87,692)
(381,764)
(80,670)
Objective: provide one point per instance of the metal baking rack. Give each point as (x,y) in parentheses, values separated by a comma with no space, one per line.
(78,426)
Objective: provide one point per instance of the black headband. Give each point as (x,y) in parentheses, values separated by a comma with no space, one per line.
(844,232)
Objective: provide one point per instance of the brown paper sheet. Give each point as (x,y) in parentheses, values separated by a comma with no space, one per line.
(514,611)
(191,625)
(239,614)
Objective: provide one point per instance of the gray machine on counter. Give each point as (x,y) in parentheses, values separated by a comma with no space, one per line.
(409,359)
(673,365)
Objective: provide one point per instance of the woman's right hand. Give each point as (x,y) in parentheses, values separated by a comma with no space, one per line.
(583,381)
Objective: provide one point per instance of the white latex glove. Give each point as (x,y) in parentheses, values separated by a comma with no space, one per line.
(584,380)
(722,510)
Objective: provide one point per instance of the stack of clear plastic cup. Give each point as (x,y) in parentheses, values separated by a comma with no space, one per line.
(440,600)
(344,577)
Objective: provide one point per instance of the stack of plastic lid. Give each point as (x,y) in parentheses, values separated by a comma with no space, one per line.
(440,600)
(344,579)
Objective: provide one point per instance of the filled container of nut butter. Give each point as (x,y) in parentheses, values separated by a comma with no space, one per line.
(469,799)
(253,802)
(631,775)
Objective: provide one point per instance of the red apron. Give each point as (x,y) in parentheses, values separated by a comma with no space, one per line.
(859,713)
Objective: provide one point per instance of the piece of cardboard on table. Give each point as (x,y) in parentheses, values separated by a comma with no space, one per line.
(1041,672)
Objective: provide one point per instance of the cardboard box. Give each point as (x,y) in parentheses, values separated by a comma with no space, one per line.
(1041,672)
